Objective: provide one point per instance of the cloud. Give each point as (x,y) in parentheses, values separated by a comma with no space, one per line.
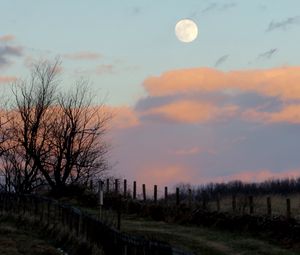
(7,79)
(192,151)
(7,38)
(268,54)
(218,7)
(123,117)
(284,24)
(188,111)
(288,114)
(8,51)
(105,69)
(83,55)
(210,7)
(136,10)
(221,60)
(282,82)
(163,174)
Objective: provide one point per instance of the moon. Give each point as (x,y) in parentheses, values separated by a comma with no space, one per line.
(186,30)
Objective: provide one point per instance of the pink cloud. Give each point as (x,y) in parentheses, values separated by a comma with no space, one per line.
(104,69)
(289,114)
(7,38)
(163,174)
(277,82)
(7,79)
(83,55)
(123,117)
(188,111)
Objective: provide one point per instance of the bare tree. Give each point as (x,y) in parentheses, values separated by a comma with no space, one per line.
(79,152)
(59,136)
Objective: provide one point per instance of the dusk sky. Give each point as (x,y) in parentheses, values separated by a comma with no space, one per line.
(225,106)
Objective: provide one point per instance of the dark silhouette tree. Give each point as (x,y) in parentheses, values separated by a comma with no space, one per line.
(54,137)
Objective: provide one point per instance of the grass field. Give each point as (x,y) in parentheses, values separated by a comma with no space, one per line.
(202,241)
(16,241)
(260,204)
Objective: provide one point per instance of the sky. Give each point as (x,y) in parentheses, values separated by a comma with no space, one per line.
(225,106)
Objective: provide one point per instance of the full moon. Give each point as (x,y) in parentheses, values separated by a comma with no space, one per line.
(186,30)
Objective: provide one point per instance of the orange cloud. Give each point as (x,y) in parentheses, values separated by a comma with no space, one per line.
(123,117)
(290,114)
(163,175)
(277,82)
(186,111)
(84,55)
(7,38)
(192,151)
(7,79)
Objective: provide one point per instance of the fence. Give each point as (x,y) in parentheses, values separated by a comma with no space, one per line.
(237,203)
(82,225)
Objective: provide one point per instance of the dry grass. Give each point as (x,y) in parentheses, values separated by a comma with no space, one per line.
(204,241)
(260,204)
(14,241)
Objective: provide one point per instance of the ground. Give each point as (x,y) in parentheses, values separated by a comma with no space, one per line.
(16,241)
(203,241)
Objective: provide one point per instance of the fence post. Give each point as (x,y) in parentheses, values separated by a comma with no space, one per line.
(269,206)
(177,196)
(288,208)
(233,203)
(100,190)
(155,194)
(125,188)
(134,190)
(144,192)
(166,194)
(251,204)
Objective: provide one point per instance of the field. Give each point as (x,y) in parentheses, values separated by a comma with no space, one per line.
(182,226)
(278,204)
(202,240)
(209,240)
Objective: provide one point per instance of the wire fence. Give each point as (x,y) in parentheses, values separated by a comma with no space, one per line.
(82,225)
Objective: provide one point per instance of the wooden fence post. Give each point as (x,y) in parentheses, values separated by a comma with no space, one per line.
(155,194)
(134,190)
(144,192)
(288,208)
(107,185)
(251,204)
(166,194)
(269,206)
(100,194)
(125,188)
(233,203)
(177,196)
